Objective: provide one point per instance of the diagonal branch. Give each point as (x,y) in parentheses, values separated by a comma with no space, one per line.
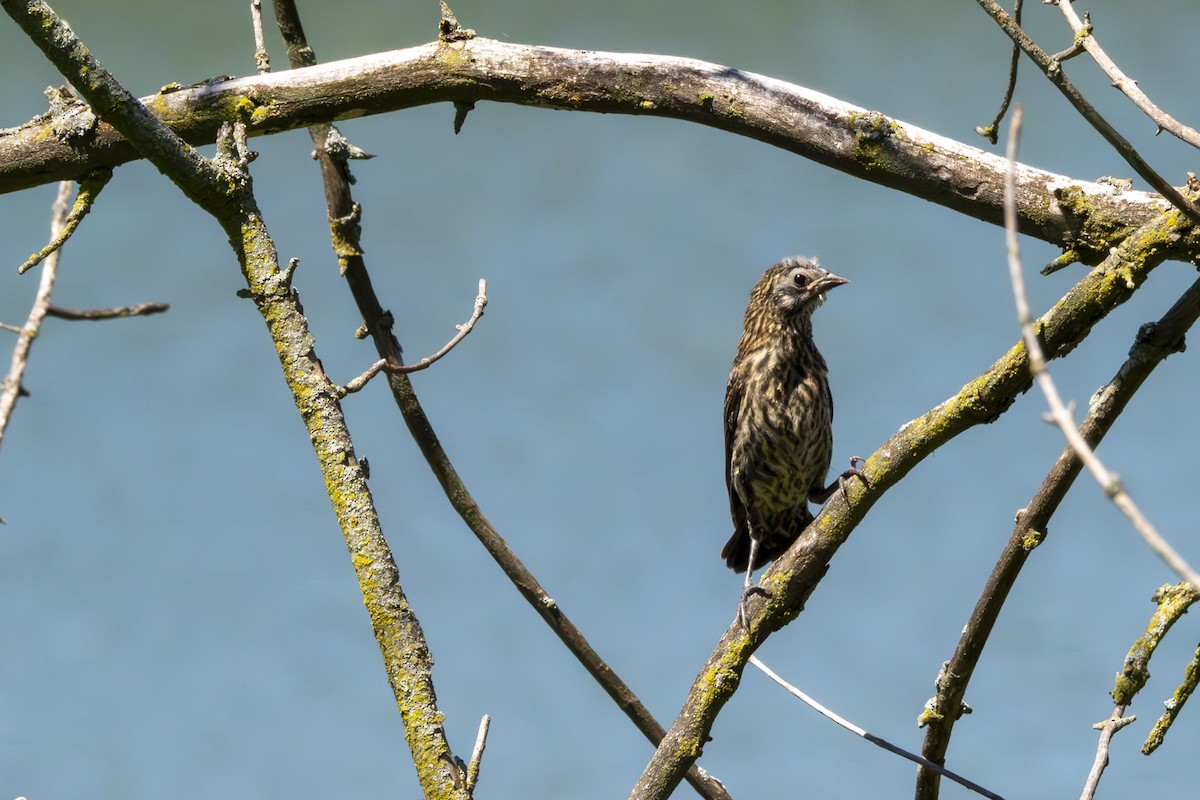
(1126,85)
(89,188)
(344,214)
(795,574)
(1172,603)
(1058,409)
(1153,344)
(1053,70)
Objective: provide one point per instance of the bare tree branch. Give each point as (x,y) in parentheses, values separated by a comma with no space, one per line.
(991,132)
(1062,417)
(1122,82)
(89,187)
(383,365)
(477,753)
(344,215)
(1191,679)
(1053,70)
(10,390)
(1154,343)
(1172,603)
(223,187)
(139,310)
(262,59)
(1107,729)
(1085,216)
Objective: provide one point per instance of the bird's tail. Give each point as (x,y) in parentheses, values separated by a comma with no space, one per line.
(776,534)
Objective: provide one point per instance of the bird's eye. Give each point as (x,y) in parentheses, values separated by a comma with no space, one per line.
(800,279)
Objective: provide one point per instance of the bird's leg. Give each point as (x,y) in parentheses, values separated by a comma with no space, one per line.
(820,496)
(750,564)
(749,589)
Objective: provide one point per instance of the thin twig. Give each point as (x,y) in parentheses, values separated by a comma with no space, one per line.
(1171,603)
(262,59)
(850,726)
(991,131)
(1061,415)
(1191,678)
(89,189)
(10,390)
(1053,71)
(1122,82)
(477,753)
(140,310)
(384,365)
(1107,729)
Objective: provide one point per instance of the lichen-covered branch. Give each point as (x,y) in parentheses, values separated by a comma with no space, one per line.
(344,214)
(222,186)
(1172,707)
(1154,343)
(1086,217)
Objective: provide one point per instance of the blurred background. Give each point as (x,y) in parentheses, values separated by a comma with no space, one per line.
(178,614)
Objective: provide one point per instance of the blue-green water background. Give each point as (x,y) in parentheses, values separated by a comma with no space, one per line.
(178,616)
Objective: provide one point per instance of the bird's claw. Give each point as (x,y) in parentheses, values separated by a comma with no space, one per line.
(742,617)
(853,472)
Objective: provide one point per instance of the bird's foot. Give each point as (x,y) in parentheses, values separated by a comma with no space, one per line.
(839,485)
(853,472)
(748,591)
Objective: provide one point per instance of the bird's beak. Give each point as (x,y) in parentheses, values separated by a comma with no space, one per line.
(823,284)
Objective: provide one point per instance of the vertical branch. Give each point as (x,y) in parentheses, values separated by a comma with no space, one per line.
(10,390)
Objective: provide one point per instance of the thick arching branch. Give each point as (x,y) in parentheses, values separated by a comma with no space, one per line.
(1085,217)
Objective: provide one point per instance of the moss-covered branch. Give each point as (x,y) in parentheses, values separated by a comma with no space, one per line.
(1154,343)
(222,186)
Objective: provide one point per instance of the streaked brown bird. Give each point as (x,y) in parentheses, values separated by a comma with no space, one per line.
(778,416)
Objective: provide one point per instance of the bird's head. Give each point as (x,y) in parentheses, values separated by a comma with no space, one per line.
(797,285)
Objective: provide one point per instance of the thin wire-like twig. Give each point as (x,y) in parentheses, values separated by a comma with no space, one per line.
(870,737)
(384,365)
(991,131)
(1122,82)
(1061,415)
(139,310)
